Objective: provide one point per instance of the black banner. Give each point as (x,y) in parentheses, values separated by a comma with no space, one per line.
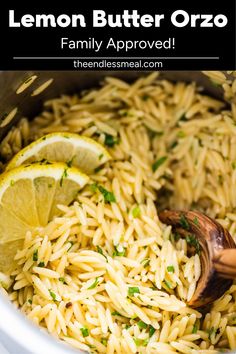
(171,36)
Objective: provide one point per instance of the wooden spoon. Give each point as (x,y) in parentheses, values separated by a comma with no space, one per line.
(216,248)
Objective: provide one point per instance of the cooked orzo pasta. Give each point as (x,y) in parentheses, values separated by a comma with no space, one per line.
(106,275)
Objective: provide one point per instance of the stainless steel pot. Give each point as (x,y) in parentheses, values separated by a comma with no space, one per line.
(18,334)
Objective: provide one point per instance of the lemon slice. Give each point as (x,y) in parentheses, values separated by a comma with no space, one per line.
(73,149)
(29,196)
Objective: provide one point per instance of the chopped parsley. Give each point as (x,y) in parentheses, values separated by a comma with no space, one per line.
(108,196)
(30,301)
(142,325)
(195,220)
(181,134)
(168,284)
(104,341)
(41,264)
(153,133)
(184,222)
(133,290)
(93,187)
(158,163)
(151,330)
(211,332)
(127,326)
(174,144)
(116,313)
(171,269)
(118,252)
(62,280)
(141,342)
(69,162)
(84,331)
(193,241)
(145,262)
(136,212)
(64,175)
(100,156)
(97,169)
(95,283)
(52,294)
(195,328)
(35,256)
(100,251)
(176,236)
(111,140)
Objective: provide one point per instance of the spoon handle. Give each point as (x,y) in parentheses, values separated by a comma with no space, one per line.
(225,263)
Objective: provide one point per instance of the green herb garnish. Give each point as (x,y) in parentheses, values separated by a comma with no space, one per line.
(168,284)
(211,332)
(127,326)
(64,175)
(145,262)
(100,251)
(93,187)
(171,269)
(158,163)
(104,341)
(108,196)
(133,290)
(30,301)
(193,241)
(95,283)
(174,144)
(52,294)
(41,264)
(140,342)
(100,156)
(151,330)
(97,169)
(69,162)
(136,212)
(116,313)
(195,220)
(62,280)
(176,236)
(181,134)
(195,328)
(84,331)
(111,140)
(184,222)
(118,253)
(35,256)
(142,325)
